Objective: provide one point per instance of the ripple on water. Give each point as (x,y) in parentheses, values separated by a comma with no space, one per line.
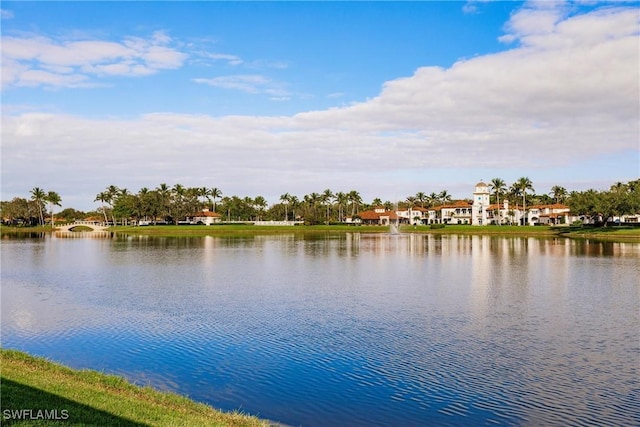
(318,334)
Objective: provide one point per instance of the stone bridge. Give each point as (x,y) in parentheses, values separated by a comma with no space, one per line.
(94,226)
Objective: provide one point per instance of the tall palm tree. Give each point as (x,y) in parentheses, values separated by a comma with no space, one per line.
(433,199)
(39,196)
(498,186)
(102,197)
(295,202)
(111,194)
(355,199)
(341,199)
(215,195)
(260,203)
(559,193)
(523,184)
(326,197)
(165,197)
(285,199)
(205,194)
(421,197)
(54,200)
(444,197)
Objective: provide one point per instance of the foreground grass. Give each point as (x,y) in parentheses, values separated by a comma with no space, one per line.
(89,398)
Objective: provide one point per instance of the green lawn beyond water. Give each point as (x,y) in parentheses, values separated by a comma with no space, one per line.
(605,233)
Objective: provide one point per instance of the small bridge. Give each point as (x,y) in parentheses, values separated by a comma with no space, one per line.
(94,226)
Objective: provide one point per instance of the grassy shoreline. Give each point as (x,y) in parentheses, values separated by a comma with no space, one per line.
(85,397)
(622,234)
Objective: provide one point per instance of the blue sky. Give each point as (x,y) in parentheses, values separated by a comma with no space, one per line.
(263,98)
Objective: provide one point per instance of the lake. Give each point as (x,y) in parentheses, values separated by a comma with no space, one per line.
(343,330)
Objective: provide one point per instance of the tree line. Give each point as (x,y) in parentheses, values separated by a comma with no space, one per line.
(173,203)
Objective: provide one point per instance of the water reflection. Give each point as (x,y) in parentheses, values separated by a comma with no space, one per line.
(352,329)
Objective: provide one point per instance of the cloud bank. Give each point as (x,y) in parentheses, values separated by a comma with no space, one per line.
(565,90)
(40,61)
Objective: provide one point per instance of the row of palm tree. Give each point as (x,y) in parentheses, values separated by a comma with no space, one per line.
(174,203)
(177,201)
(162,202)
(41,197)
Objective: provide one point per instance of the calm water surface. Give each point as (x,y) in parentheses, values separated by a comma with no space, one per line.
(344,330)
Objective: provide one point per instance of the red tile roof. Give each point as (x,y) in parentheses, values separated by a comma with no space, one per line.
(206,213)
(374,216)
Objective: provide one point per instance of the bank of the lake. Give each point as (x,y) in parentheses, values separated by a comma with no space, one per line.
(49,390)
(615,233)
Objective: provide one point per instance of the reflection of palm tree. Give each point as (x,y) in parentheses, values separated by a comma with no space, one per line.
(38,195)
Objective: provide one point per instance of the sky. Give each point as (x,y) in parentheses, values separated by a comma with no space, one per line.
(266,98)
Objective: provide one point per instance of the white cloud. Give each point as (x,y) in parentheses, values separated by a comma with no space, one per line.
(230,59)
(561,97)
(6,14)
(41,61)
(248,83)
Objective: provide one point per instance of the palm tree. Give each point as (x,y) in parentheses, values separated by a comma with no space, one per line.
(295,202)
(444,197)
(355,199)
(341,199)
(54,199)
(522,185)
(559,193)
(205,194)
(260,203)
(326,197)
(165,195)
(498,186)
(215,194)
(111,193)
(433,199)
(421,197)
(38,196)
(102,197)
(285,199)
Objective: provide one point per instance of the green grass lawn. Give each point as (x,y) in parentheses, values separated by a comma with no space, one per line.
(89,398)
(608,233)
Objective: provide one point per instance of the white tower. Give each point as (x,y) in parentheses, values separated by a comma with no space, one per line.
(480,204)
